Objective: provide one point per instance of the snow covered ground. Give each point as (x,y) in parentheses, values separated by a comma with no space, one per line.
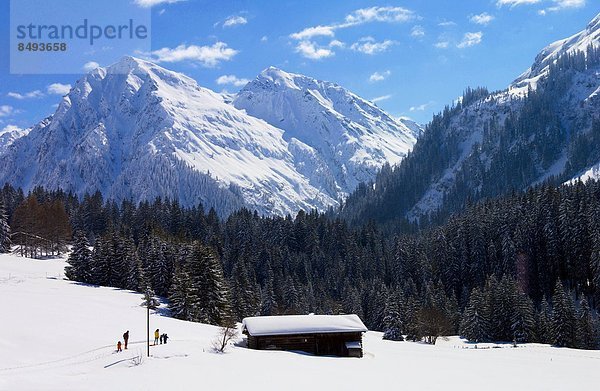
(60,335)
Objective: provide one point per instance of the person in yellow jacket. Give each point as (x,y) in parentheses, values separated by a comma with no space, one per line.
(156,336)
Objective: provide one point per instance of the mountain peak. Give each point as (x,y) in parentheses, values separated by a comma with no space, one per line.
(127,64)
(576,43)
(278,77)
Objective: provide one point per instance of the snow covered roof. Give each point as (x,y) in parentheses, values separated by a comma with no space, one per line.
(302,324)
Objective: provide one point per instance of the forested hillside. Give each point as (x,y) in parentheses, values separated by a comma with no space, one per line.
(521,267)
(488,144)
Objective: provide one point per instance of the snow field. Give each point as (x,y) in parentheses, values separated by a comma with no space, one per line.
(60,335)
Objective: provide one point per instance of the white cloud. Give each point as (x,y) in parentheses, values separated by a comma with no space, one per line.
(447,23)
(6,110)
(231,79)
(368,45)
(379,14)
(560,5)
(27,95)
(422,107)
(380,98)
(470,39)
(58,89)
(417,32)
(310,49)
(264,38)
(10,129)
(152,3)
(375,77)
(90,66)
(514,3)
(358,17)
(310,32)
(208,56)
(336,44)
(483,19)
(442,44)
(313,51)
(234,21)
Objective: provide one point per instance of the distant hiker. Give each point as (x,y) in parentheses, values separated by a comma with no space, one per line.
(161,338)
(165,337)
(126,338)
(119,347)
(156,336)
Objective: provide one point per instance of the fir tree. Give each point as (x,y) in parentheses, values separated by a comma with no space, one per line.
(586,327)
(80,260)
(392,322)
(5,242)
(149,299)
(522,320)
(180,299)
(475,325)
(268,304)
(209,291)
(564,323)
(543,324)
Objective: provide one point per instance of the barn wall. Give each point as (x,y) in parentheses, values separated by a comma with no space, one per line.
(323,344)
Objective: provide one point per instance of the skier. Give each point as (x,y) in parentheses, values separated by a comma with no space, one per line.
(165,337)
(161,338)
(119,347)
(156,335)
(126,338)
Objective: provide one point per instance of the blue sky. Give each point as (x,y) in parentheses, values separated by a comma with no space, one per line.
(412,57)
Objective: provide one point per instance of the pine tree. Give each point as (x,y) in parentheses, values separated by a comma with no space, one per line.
(392,322)
(586,327)
(160,267)
(243,295)
(291,300)
(5,242)
(564,322)
(209,292)
(522,320)
(475,325)
(118,260)
(133,266)
(149,299)
(80,260)
(544,326)
(180,299)
(268,304)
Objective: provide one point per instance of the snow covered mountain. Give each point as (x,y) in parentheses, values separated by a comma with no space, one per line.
(579,42)
(545,125)
(10,134)
(136,130)
(349,138)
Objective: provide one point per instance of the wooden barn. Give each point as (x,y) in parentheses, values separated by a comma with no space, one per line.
(322,335)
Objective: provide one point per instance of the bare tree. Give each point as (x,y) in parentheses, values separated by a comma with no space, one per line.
(225,335)
(433,323)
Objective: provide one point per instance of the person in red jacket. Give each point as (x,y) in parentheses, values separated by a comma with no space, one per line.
(119,347)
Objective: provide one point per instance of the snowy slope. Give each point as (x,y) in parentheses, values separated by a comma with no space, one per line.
(59,335)
(136,130)
(10,134)
(349,137)
(576,43)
